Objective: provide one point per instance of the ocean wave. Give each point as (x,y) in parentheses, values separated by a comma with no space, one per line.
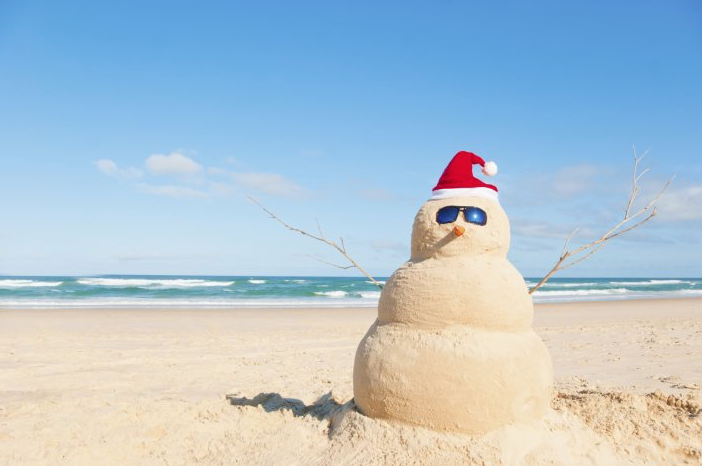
(183,303)
(582,292)
(26,283)
(382,282)
(369,294)
(653,282)
(297,280)
(256,282)
(568,285)
(695,292)
(151,282)
(332,294)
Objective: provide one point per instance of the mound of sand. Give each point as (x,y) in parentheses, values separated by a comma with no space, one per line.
(588,427)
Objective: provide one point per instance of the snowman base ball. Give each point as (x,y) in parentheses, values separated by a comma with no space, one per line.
(453,348)
(458,380)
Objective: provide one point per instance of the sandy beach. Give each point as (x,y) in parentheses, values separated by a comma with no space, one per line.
(274,387)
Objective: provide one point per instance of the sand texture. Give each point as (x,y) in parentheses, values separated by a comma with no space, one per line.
(149,387)
(453,348)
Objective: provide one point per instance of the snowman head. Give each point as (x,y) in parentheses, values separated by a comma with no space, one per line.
(480,227)
(463,216)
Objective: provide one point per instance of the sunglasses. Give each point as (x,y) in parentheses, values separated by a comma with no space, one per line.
(473,215)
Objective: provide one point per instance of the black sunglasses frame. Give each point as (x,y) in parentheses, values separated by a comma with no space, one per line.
(465,210)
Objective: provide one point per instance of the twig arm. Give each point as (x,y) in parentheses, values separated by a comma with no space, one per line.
(589,249)
(341,249)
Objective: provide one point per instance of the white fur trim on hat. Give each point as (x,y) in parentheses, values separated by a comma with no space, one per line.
(464,192)
(490,169)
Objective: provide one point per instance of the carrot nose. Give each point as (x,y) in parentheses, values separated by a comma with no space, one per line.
(458,230)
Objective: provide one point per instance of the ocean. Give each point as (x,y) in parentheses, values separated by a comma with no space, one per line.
(248,291)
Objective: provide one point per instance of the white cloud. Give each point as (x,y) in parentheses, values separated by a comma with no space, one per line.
(545,230)
(562,184)
(107,166)
(682,204)
(376,194)
(574,180)
(390,246)
(174,163)
(268,183)
(110,168)
(538,230)
(216,171)
(145,256)
(196,181)
(173,191)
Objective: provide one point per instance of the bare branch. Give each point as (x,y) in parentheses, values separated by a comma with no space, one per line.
(565,246)
(650,216)
(319,228)
(585,251)
(641,174)
(555,269)
(634,187)
(341,249)
(345,267)
(592,251)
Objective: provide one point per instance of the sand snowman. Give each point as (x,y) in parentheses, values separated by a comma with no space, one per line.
(453,348)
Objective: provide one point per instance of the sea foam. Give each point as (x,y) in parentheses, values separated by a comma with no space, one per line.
(26,283)
(652,282)
(183,303)
(332,294)
(582,292)
(149,282)
(568,285)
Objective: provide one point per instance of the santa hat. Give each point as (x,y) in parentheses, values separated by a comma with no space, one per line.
(458,179)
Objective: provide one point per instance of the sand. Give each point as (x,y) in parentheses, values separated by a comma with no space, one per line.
(128,387)
(457,314)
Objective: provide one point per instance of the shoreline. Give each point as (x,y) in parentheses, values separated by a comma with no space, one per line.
(153,291)
(613,302)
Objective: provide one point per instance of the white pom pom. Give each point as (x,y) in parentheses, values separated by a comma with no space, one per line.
(490,169)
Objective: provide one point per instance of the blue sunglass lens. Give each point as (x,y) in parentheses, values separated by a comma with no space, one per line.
(447,214)
(475,215)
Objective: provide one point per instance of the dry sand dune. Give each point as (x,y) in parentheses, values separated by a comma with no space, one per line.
(88,387)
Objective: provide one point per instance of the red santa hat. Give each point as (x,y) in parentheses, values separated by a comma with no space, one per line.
(458,179)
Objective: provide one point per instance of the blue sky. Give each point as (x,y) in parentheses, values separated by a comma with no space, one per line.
(131,132)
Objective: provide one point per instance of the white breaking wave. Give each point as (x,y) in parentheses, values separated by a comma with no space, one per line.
(26,283)
(581,292)
(567,285)
(296,281)
(370,294)
(332,294)
(149,282)
(382,282)
(182,303)
(652,282)
(256,282)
